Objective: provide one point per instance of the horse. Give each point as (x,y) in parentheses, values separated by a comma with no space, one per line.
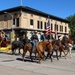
(28,47)
(57,47)
(66,45)
(42,47)
(17,45)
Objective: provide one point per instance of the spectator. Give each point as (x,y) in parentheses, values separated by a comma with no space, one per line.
(39,36)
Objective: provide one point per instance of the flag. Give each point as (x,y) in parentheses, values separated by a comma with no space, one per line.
(48,28)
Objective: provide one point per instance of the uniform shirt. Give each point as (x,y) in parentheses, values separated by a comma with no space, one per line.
(34,37)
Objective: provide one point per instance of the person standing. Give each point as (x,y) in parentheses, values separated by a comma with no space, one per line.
(39,36)
(31,34)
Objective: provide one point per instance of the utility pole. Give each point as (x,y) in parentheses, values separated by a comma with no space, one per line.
(21,2)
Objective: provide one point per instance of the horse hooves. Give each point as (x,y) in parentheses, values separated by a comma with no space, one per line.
(39,62)
(65,57)
(57,59)
(51,60)
(32,61)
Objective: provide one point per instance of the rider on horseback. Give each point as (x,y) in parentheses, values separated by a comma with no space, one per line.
(34,39)
(45,37)
(64,39)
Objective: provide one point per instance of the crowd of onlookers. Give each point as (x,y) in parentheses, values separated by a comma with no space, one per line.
(4,36)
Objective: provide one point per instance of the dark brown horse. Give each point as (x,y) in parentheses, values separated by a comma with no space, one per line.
(56,44)
(66,45)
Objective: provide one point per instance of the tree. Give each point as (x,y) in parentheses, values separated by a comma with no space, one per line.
(71,20)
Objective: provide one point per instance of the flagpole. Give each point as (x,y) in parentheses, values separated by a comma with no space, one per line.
(50,27)
(21,2)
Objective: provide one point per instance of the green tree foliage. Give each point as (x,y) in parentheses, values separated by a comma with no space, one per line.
(71,20)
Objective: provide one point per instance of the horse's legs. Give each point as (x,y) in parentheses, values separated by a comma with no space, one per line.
(60,54)
(43,53)
(51,56)
(64,53)
(70,52)
(31,55)
(40,56)
(47,55)
(62,50)
(19,51)
(24,52)
(35,54)
(57,54)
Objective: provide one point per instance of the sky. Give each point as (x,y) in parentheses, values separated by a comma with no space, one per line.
(59,8)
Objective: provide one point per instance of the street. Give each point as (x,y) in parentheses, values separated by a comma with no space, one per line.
(13,65)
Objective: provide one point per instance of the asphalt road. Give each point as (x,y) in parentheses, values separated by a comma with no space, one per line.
(13,65)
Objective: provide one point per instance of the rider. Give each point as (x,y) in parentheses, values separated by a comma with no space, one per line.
(65,37)
(44,37)
(25,38)
(34,39)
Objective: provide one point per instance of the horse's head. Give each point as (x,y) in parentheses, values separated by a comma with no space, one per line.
(56,42)
(69,41)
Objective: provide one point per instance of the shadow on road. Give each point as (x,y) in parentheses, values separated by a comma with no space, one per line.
(27,59)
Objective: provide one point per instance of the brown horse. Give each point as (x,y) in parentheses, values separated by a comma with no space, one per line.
(28,47)
(56,44)
(40,48)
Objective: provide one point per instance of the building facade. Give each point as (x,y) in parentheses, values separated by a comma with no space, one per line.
(28,19)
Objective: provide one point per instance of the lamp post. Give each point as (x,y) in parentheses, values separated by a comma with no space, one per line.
(12,33)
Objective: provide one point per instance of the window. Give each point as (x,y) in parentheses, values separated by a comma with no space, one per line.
(31,21)
(65,29)
(38,24)
(45,25)
(17,22)
(14,21)
(61,28)
(41,24)
(57,27)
